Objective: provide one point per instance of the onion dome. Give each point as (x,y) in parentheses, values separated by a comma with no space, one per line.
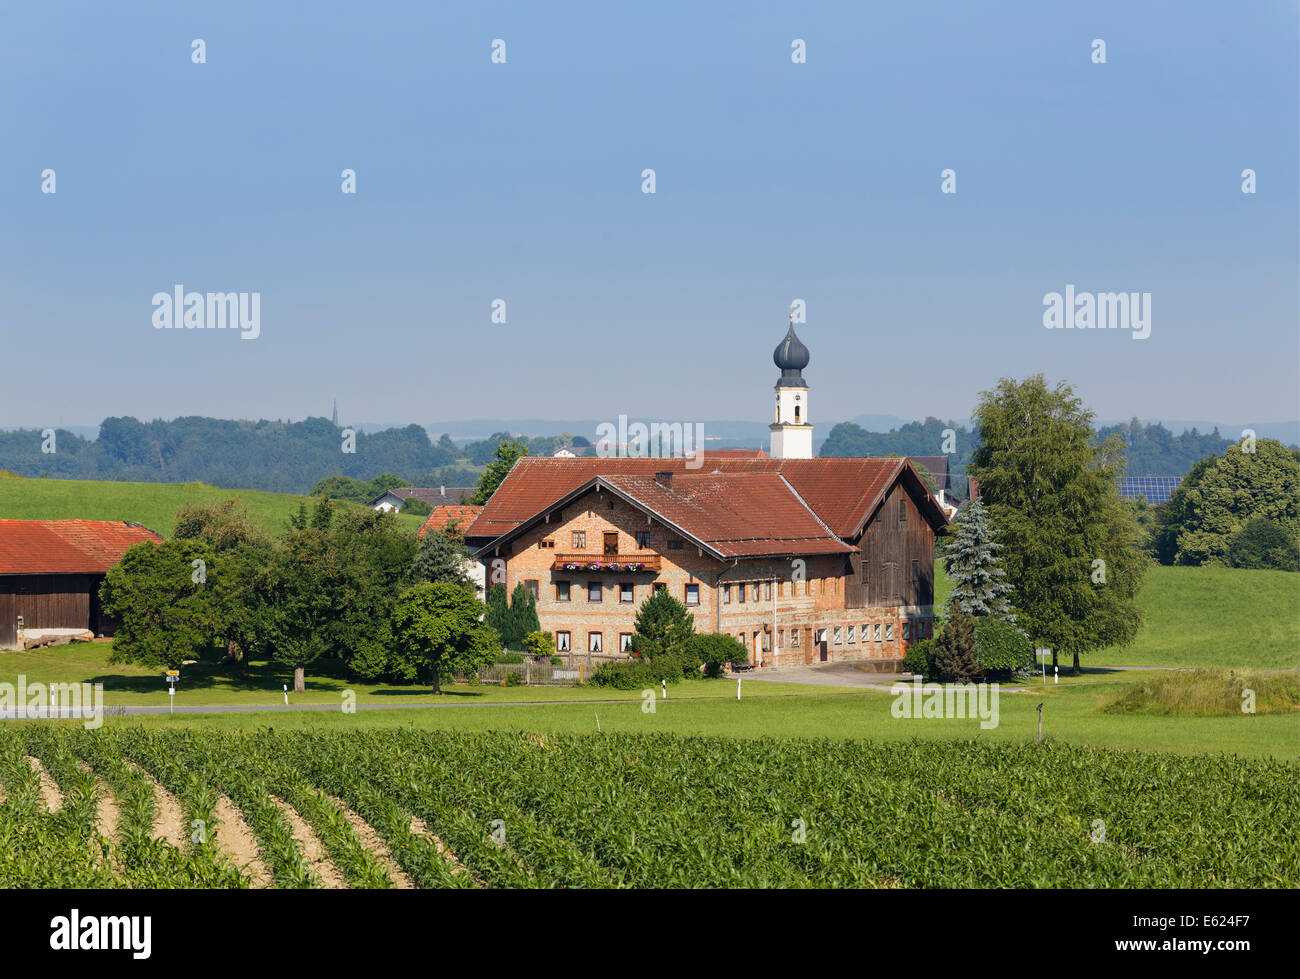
(792,357)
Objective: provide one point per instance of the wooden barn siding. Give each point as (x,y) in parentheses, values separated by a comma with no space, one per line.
(45,601)
(886,540)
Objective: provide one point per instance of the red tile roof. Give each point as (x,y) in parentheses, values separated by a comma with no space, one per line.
(66,546)
(842,492)
(443,515)
(736,514)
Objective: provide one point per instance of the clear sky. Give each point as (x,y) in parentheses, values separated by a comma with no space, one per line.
(522,181)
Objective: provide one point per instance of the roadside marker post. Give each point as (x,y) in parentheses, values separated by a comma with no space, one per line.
(1056,674)
(172,677)
(1040,723)
(737,688)
(286,694)
(665,686)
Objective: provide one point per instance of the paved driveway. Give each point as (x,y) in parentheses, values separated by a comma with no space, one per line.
(828,675)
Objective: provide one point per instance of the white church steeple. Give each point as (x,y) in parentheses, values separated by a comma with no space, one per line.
(792,429)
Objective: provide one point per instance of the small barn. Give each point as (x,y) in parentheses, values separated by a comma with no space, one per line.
(50,573)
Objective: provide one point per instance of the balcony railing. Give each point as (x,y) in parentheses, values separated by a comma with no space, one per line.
(591,561)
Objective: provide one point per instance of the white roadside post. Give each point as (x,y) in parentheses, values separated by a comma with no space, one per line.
(737,688)
(665,686)
(286,694)
(173,678)
(1056,674)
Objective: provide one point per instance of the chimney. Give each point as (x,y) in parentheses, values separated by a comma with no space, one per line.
(442,490)
(664,479)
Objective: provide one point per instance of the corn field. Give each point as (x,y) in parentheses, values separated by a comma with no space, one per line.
(134,807)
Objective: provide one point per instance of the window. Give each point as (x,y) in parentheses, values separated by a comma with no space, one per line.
(767,642)
(838,639)
(643,540)
(902,511)
(593,591)
(674,545)
(780,638)
(794,637)
(916,573)
(866,572)
(546,543)
(726,594)
(562,642)
(658,586)
(907,630)
(579,540)
(593,642)
(562,591)
(875,632)
(624,641)
(625,592)
(692,594)
(849,637)
(866,632)
(780,589)
(740,594)
(767,591)
(531,584)
(611,541)
(889,632)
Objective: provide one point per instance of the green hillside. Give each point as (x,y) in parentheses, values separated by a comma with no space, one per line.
(152,504)
(1204,617)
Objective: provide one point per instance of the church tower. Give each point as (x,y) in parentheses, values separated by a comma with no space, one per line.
(792,430)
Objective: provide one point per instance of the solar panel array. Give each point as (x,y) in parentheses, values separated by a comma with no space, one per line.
(1155,489)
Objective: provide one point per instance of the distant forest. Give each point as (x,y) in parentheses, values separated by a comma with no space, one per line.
(1152,450)
(264,455)
(291,457)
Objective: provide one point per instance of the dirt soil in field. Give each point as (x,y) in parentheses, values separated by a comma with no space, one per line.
(239,843)
(106,811)
(50,794)
(313,851)
(375,845)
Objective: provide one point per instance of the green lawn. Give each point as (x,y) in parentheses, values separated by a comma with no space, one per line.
(1213,617)
(1070,713)
(152,504)
(210,683)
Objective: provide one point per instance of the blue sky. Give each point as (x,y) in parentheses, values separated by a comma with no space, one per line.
(522,181)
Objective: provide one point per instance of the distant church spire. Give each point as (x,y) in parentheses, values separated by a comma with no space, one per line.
(791,430)
(336,413)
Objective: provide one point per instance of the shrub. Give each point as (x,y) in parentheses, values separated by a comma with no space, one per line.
(637,674)
(513,679)
(714,651)
(1263,543)
(1001,648)
(508,657)
(539,643)
(919,658)
(557,661)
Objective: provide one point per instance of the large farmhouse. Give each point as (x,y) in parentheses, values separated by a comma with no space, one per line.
(50,573)
(803,560)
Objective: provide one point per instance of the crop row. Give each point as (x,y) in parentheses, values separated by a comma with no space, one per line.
(531,810)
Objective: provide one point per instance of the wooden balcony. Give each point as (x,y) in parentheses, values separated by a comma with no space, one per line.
(643,563)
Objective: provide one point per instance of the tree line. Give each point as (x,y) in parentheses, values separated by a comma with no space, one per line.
(281,457)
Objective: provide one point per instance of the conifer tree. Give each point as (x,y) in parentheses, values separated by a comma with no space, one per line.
(980,585)
(523,616)
(498,611)
(954,654)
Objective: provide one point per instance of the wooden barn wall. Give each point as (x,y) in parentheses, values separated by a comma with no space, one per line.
(889,546)
(45,601)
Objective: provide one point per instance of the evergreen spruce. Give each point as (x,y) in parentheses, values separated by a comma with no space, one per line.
(954,655)
(523,616)
(980,585)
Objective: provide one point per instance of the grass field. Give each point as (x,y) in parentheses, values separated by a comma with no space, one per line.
(152,504)
(1211,617)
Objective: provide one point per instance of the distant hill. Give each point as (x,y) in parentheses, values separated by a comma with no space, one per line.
(152,504)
